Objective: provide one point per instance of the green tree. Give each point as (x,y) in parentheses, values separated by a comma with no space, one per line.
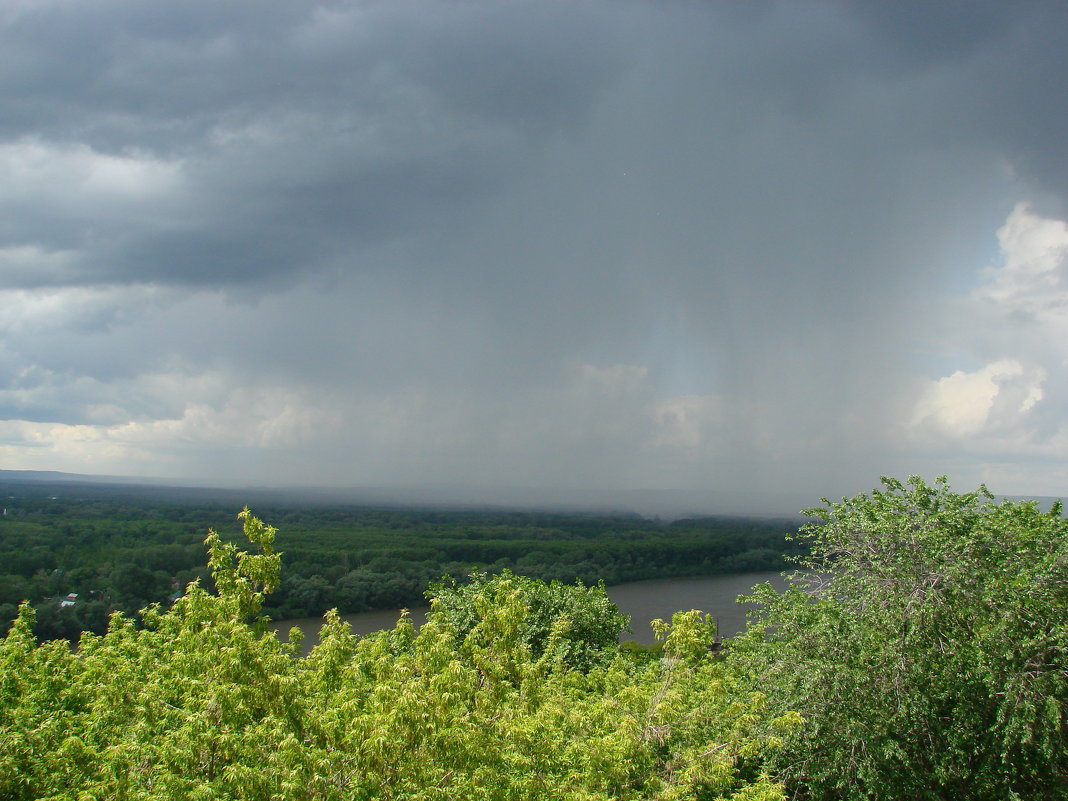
(588,622)
(925,647)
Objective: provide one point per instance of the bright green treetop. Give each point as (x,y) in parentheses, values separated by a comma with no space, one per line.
(586,621)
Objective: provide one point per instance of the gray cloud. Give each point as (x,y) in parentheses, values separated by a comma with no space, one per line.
(583,244)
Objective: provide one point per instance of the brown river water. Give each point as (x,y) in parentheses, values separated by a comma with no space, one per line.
(642,600)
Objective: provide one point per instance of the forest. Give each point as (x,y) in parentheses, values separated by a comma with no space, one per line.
(79,559)
(918,653)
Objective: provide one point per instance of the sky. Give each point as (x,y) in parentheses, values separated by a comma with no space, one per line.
(579,247)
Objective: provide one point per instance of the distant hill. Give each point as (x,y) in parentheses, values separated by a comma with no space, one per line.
(53,476)
(665,504)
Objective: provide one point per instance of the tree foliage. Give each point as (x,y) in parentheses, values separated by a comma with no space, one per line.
(203,704)
(581,622)
(925,647)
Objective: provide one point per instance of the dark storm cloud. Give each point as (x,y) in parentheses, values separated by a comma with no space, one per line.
(1004,60)
(595,243)
(302,132)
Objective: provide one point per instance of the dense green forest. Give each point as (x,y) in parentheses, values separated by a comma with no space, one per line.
(921,653)
(79,559)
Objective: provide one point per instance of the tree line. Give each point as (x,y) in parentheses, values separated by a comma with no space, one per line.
(79,560)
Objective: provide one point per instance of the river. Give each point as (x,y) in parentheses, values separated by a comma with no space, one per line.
(642,600)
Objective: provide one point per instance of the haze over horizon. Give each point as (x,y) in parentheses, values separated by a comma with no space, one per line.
(606,246)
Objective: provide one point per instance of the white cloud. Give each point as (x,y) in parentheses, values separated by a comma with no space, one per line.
(30,313)
(76,176)
(210,421)
(79,448)
(1006,418)
(966,403)
(1033,279)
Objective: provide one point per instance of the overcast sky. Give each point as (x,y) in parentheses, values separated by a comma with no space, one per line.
(602,245)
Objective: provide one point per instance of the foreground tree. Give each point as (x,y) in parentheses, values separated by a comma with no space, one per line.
(204,704)
(925,647)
